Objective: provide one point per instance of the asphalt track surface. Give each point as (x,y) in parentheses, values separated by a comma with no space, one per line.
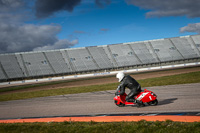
(172,98)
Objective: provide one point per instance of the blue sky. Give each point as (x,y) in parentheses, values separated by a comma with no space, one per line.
(57,24)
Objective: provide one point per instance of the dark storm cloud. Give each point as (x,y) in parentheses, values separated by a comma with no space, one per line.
(14,38)
(17,36)
(10,3)
(12,11)
(7,5)
(162,8)
(45,8)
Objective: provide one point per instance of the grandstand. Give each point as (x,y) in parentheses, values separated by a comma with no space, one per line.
(28,65)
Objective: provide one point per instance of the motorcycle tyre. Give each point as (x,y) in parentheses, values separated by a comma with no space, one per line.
(119,105)
(153,103)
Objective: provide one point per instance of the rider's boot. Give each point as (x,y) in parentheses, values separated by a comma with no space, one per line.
(131,100)
(139,103)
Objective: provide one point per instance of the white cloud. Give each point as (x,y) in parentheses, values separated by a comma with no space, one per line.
(60,44)
(191,28)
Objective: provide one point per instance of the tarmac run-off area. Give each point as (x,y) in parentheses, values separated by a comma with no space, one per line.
(99,107)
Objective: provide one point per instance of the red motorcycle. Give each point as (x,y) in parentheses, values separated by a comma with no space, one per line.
(145,96)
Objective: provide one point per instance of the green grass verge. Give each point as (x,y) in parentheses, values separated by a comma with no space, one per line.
(101,127)
(23,87)
(192,77)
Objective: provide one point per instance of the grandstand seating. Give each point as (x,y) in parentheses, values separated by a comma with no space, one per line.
(2,75)
(81,60)
(184,47)
(196,40)
(36,64)
(96,58)
(58,63)
(11,66)
(165,50)
(143,53)
(124,55)
(100,57)
(110,56)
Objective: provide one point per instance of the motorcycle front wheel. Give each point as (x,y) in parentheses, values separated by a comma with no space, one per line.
(120,104)
(153,103)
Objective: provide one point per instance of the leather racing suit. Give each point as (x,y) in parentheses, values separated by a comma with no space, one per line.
(130,83)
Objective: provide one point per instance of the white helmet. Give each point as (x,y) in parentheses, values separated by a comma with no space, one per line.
(120,76)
